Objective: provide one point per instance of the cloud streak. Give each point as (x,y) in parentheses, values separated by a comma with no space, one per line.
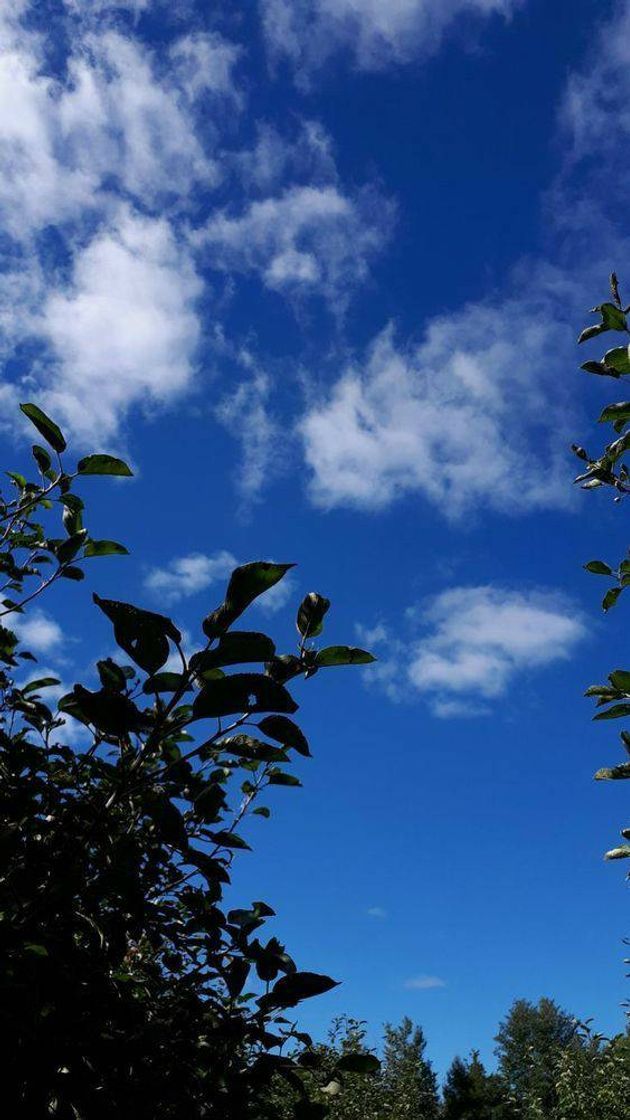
(375,33)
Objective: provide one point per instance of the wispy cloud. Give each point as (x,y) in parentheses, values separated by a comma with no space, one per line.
(376,912)
(188,575)
(244,411)
(376,33)
(424,983)
(467,645)
(306,239)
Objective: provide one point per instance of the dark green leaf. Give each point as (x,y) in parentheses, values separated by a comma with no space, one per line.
(246,584)
(242,692)
(45,426)
(598,368)
(68,549)
(615,413)
(104,464)
(109,712)
(591,332)
(142,634)
(73,573)
(112,676)
(289,990)
(618,359)
(42,458)
(285,731)
(613,318)
(342,655)
(44,682)
(247,747)
(598,568)
(104,548)
(310,618)
(235,648)
(610,598)
(227,839)
(620,679)
(616,712)
(281,778)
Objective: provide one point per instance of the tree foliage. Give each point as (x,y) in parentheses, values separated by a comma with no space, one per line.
(609,469)
(470,1093)
(128,988)
(529,1041)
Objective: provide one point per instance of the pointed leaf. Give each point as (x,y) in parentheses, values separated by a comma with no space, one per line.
(342,655)
(285,731)
(45,426)
(104,464)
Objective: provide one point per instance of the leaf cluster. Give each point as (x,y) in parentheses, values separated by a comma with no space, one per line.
(128,985)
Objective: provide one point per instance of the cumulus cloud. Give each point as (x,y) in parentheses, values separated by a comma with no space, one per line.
(38,632)
(377,33)
(307,239)
(466,418)
(424,983)
(125,329)
(469,644)
(188,575)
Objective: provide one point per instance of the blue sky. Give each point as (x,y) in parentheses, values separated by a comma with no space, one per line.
(318,268)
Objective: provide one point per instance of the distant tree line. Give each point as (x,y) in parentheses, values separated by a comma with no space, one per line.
(549,1067)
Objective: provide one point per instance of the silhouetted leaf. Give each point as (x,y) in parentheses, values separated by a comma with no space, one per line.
(285,731)
(235,648)
(45,426)
(342,655)
(242,692)
(290,990)
(104,464)
(310,618)
(142,634)
(246,584)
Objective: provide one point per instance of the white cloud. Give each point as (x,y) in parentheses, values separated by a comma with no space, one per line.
(244,412)
(470,418)
(377,33)
(119,321)
(125,329)
(38,632)
(65,146)
(376,912)
(424,983)
(188,575)
(278,596)
(307,239)
(468,645)
(275,158)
